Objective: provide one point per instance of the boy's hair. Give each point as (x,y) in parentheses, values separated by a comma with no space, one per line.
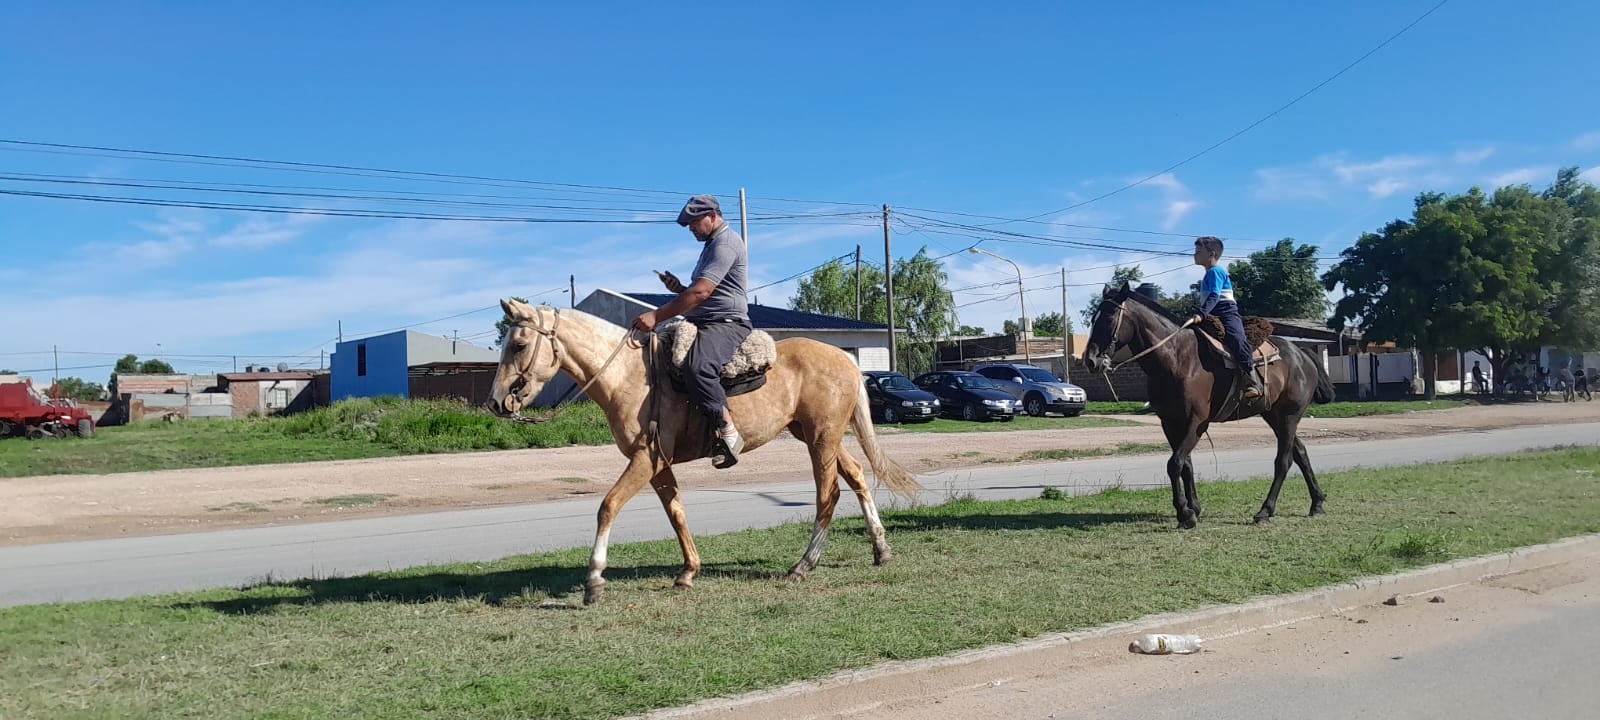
(1212,245)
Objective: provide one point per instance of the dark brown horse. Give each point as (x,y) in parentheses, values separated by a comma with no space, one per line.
(1192,387)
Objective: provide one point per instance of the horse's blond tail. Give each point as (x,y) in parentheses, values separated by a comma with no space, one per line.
(890,473)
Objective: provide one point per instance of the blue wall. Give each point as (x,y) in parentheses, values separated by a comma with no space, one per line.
(386,374)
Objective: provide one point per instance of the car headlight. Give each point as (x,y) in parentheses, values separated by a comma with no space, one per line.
(907,403)
(996,403)
(936,402)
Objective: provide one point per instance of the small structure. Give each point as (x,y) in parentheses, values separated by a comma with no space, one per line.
(262,392)
(383,364)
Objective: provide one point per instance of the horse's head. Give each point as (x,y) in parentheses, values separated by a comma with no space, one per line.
(529,357)
(1108,333)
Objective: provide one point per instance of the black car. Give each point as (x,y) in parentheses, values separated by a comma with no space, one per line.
(894,399)
(972,396)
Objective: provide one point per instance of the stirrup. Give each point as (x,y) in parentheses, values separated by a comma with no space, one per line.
(725,454)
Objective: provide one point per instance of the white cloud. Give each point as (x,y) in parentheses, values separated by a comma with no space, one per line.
(1383,177)
(1284,184)
(1587,141)
(1592,175)
(264,232)
(1473,157)
(1166,181)
(1385,187)
(1521,176)
(1176,210)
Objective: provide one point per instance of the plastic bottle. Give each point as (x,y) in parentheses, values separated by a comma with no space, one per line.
(1166,644)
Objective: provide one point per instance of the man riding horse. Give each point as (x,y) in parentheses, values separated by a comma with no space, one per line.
(715,303)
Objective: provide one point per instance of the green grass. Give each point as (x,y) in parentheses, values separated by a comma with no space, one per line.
(1125,407)
(1385,407)
(351,429)
(1127,448)
(1022,422)
(472,641)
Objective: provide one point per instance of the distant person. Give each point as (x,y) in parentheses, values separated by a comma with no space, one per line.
(1478,385)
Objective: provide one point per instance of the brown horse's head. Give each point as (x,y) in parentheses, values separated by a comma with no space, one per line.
(528,356)
(1109,333)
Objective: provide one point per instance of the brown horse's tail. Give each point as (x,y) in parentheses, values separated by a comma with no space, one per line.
(1324,392)
(889,472)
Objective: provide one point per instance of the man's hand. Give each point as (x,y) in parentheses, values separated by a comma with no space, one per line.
(671,281)
(645,322)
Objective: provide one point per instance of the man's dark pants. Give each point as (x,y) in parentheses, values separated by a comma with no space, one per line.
(1235,341)
(714,346)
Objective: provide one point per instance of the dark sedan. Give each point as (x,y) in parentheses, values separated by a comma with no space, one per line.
(894,399)
(972,396)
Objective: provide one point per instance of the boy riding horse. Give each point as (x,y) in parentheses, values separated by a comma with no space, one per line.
(1215,298)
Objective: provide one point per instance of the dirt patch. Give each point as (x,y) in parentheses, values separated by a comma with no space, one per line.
(78,507)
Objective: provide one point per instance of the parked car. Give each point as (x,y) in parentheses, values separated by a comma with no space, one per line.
(895,399)
(970,395)
(1038,389)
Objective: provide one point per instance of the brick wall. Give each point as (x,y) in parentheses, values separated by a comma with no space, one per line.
(473,387)
(1130,382)
(246,398)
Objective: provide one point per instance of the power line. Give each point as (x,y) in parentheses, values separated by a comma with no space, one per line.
(1249,127)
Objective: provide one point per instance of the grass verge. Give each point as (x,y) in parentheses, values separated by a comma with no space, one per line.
(1331,410)
(1127,448)
(471,640)
(348,430)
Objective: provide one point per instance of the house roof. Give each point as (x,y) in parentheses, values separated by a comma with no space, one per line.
(766,317)
(249,376)
(451,368)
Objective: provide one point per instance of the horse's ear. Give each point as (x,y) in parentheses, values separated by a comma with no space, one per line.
(1124,286)
(1105,292)
(506,306)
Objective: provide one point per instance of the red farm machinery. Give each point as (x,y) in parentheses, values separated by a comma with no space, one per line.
(26,412)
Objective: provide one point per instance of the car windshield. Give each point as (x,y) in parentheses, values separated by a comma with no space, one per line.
(895,382)
(973,381)
(1037,375)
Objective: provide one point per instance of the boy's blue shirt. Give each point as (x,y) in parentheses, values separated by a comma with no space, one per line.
(1216,292)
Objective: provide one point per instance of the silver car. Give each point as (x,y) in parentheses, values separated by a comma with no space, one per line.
(1039,391)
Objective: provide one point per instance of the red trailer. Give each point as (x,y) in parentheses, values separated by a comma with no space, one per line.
(26,412)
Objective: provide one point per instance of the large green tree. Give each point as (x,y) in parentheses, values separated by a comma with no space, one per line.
(1046,325)
(132,365)
(922,305)
(1504,274)
(77,389)
(1280,281)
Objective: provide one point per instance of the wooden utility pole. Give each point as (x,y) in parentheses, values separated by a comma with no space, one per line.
(572,291)
(858,282)
(888,288)
(1066,332)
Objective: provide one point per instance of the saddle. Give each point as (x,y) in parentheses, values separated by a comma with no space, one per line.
(746,372)
(1257,334)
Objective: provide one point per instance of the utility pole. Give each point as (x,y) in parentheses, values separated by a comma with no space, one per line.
(858,282)
(341,331)
(1066,332)
(888,287)
(55,385)
(744,225)
(236,363)
(572,291)
(322,361)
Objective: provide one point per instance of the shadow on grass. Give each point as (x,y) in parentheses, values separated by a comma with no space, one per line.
(512,587)
(1029,521)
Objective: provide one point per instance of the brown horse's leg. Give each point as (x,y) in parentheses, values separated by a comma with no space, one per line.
(639,471)
(850,470)
(1285,429)
(825,466)
(1182,437)
(666,485)
(1187,472)
(1303,459)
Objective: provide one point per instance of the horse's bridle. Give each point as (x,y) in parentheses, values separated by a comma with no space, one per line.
(1113,344)
(525,370)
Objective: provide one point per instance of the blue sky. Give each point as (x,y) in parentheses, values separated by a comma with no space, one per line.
(1012,112)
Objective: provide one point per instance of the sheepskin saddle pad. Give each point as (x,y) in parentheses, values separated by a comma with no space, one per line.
(747,370)
(1256,333)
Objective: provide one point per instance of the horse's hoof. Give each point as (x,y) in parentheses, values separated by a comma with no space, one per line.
(593,592)
(1187,523)
(683,583)
(795,576)
(882,558)
(1262,520)
(1317,510)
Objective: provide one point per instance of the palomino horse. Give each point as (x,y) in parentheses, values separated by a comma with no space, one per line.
(1190,388)
(813,390)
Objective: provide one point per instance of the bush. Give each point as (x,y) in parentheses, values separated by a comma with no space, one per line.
(430,426)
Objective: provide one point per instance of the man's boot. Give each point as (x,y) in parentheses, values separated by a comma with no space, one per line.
(1250,389)
(726,448)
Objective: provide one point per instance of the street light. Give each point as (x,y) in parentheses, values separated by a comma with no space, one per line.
(1021,300)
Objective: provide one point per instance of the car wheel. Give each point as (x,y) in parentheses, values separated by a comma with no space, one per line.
(1034,404)
(968,413)
(890,416)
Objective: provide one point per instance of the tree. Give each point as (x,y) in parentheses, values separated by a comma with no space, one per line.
(131,365)
(922,304)
(77,389)
(503,325)
(1119,275)
(8,372)
(1280,281)
(969,331)
(1047,325)
(1502,274)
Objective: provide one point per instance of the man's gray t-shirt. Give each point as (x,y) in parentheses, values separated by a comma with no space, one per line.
(723,262)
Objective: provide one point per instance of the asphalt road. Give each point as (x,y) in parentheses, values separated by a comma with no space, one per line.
(105,569)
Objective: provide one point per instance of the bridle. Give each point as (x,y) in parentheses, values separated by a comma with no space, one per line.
(1113,344)
(525,370)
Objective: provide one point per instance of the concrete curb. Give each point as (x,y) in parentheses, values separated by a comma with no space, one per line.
(847,690)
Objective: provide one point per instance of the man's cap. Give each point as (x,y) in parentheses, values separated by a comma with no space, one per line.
(698,206)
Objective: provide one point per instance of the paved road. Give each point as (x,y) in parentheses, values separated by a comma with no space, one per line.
(1513,647)
(129,567)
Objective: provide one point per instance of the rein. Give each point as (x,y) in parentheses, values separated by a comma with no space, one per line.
(1117,330)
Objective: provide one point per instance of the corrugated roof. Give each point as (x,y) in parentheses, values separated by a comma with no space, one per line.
(770,318)
(248,376)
